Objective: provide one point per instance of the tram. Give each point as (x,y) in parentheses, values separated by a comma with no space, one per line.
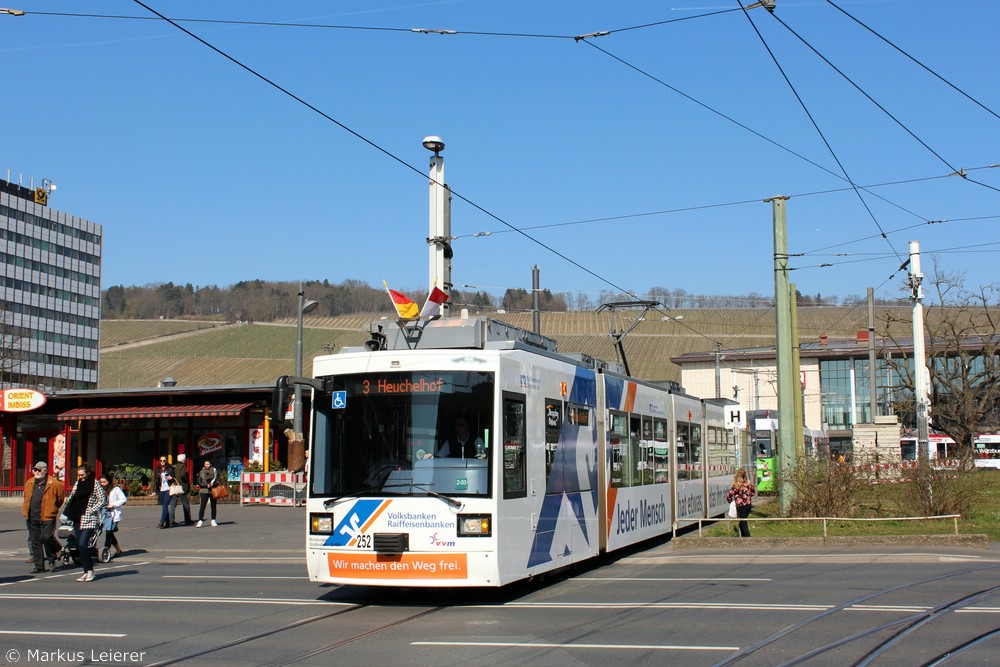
(763,427)
(816,443)
(940,447)
(564,457)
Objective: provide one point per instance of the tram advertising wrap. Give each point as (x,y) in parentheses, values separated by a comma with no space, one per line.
(467,452)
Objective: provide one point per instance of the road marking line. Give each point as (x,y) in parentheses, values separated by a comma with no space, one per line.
(114,635)
(182,600)
(613,647)
(225,576)
(669,579)
(72,573)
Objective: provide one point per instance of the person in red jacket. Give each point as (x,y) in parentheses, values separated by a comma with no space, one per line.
(742,492)
(43,496)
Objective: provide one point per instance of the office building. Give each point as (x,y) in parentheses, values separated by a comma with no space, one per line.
(50,292)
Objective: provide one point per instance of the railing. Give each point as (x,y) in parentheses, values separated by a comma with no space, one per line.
(273,488)
(824,519)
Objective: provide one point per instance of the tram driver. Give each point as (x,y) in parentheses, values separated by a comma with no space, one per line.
(463,445)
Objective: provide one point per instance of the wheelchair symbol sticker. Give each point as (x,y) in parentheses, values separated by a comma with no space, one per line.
(339,400)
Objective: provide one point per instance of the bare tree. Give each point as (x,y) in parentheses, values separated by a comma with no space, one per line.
(962,332)
(14,341)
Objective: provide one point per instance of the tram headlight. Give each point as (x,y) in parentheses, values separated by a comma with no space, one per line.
(475,525)
(321,524)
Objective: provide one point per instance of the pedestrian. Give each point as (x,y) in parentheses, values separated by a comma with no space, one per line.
(43,496)
(742,492)
(207,478)
(164,477)
(116,500)
(84,507)
(181,477)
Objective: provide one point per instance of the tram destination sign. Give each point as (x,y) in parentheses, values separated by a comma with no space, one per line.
(21,400)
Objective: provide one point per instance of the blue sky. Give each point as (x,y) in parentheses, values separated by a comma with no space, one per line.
(668,134)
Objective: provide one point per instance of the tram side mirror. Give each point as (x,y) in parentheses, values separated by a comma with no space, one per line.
(279,399)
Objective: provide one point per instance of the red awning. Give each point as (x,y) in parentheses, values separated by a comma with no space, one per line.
(148,412)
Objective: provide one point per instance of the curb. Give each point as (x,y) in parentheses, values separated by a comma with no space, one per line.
(972,541)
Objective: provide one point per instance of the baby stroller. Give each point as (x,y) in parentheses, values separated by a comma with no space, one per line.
(71,550)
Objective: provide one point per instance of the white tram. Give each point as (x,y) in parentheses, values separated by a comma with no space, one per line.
(567,457)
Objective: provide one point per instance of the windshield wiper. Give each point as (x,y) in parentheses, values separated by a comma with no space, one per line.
(457,504)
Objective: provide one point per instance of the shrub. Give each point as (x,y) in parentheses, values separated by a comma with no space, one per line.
(825,488)
(933,491)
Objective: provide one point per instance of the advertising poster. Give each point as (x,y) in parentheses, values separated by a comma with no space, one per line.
(257,445)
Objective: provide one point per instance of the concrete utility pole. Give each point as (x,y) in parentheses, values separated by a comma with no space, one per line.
(919,354)
(786,378)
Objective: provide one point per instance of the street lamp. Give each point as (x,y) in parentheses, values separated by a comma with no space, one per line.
(12,12)
(305,305)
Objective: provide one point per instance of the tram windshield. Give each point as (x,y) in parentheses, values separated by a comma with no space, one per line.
(403,434)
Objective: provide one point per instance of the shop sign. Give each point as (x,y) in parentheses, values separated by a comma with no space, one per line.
(209,443)
(21,400)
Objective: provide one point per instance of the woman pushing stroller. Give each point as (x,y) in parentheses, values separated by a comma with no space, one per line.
(85,507)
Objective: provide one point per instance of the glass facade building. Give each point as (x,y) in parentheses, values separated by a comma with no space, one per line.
(50,293)
(847,391)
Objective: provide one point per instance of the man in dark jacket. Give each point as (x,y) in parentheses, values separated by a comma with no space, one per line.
(43,496)
(184,479)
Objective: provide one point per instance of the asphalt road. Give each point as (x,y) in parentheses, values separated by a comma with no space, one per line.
(238,595)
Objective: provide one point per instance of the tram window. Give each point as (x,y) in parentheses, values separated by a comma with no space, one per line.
(646,442)
(683,450)
(695,453)
(514,466)
(619,449)
(661,452)
(553,427)
(716,446)
(762,445)
(577,415)
(636,462)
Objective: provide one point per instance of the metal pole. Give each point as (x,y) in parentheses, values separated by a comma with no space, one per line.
(536,314)
(793,313)
(718,370)
(786,379)
(439,240)
(872,375)
(297,405)
(919,354)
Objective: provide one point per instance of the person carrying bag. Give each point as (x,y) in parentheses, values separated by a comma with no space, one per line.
(741,493)
(208,482)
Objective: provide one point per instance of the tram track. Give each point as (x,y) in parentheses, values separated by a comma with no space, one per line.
(911,624)
(287,627)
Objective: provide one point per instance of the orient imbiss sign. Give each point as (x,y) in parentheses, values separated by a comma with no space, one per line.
(20,400)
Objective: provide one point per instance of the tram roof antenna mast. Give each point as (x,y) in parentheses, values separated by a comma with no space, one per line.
(617,335)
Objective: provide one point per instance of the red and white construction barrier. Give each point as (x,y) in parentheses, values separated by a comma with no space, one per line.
(271,477)
(273,488)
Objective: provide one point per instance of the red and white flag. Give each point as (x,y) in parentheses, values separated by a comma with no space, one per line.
(432,307)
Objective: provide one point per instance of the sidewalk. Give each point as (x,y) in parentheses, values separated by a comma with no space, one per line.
(247,533)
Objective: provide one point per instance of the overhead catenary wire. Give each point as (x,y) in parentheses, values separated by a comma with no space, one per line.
(381,149)
(536,35)
(702,207)
(914,60)
(954,169)
(819,131)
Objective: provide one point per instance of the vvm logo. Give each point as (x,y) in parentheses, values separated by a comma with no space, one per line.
(438,542)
